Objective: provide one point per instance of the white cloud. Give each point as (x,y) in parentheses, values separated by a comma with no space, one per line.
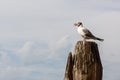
(4,58)
(26,49)
(32,52)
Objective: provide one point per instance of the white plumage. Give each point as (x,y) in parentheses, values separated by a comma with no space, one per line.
(80,31)
(85,33)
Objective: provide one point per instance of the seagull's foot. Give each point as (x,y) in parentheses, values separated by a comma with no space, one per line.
(84,41)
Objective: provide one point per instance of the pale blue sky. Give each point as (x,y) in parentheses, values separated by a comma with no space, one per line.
(37,35)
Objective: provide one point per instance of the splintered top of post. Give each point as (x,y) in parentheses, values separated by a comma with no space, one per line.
(87,43)
(87,48)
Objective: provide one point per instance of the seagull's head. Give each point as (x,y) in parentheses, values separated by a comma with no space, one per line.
(78,24)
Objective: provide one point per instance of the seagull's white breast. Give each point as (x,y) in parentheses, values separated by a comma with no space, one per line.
(80,31)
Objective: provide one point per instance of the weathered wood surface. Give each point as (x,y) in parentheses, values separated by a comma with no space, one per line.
(69,67)
(85,64)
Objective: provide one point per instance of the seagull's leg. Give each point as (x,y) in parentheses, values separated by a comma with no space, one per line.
(84,41)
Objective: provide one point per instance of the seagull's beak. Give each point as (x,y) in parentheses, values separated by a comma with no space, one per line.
(75,24)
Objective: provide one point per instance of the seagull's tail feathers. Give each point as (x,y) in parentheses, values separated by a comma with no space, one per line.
(99,39)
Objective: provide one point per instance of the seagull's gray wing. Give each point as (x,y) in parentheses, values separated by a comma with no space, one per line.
(88,33)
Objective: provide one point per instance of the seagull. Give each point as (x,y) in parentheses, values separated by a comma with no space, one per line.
(85,33)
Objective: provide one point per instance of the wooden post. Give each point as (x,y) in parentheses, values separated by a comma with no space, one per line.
(69,67)
(85,64)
